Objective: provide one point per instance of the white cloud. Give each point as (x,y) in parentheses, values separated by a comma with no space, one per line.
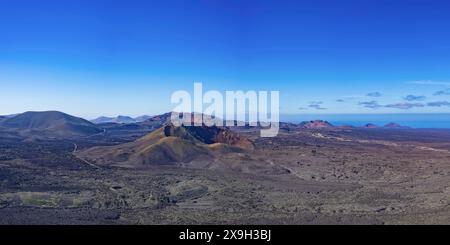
(430,82)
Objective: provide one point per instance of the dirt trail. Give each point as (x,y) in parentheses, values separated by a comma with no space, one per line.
(75,148)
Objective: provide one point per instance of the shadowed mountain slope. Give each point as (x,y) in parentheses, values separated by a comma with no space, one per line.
(50,123)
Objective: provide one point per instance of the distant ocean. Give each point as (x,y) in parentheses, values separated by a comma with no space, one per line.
(412,120)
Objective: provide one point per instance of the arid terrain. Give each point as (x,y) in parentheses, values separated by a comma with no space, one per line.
(58,169)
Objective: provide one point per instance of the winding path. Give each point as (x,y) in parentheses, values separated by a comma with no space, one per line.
(75,148)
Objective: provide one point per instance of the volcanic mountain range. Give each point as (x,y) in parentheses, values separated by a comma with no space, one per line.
(61,125)
(155,141)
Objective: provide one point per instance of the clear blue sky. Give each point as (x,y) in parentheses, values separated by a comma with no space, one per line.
(92,58)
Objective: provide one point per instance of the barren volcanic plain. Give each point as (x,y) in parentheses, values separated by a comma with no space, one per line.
(153,173)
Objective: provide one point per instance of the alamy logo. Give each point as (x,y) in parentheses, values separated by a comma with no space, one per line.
(236,108)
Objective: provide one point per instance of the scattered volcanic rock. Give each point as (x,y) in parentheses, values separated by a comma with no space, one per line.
(316,124)
(170,145)
(52,123)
